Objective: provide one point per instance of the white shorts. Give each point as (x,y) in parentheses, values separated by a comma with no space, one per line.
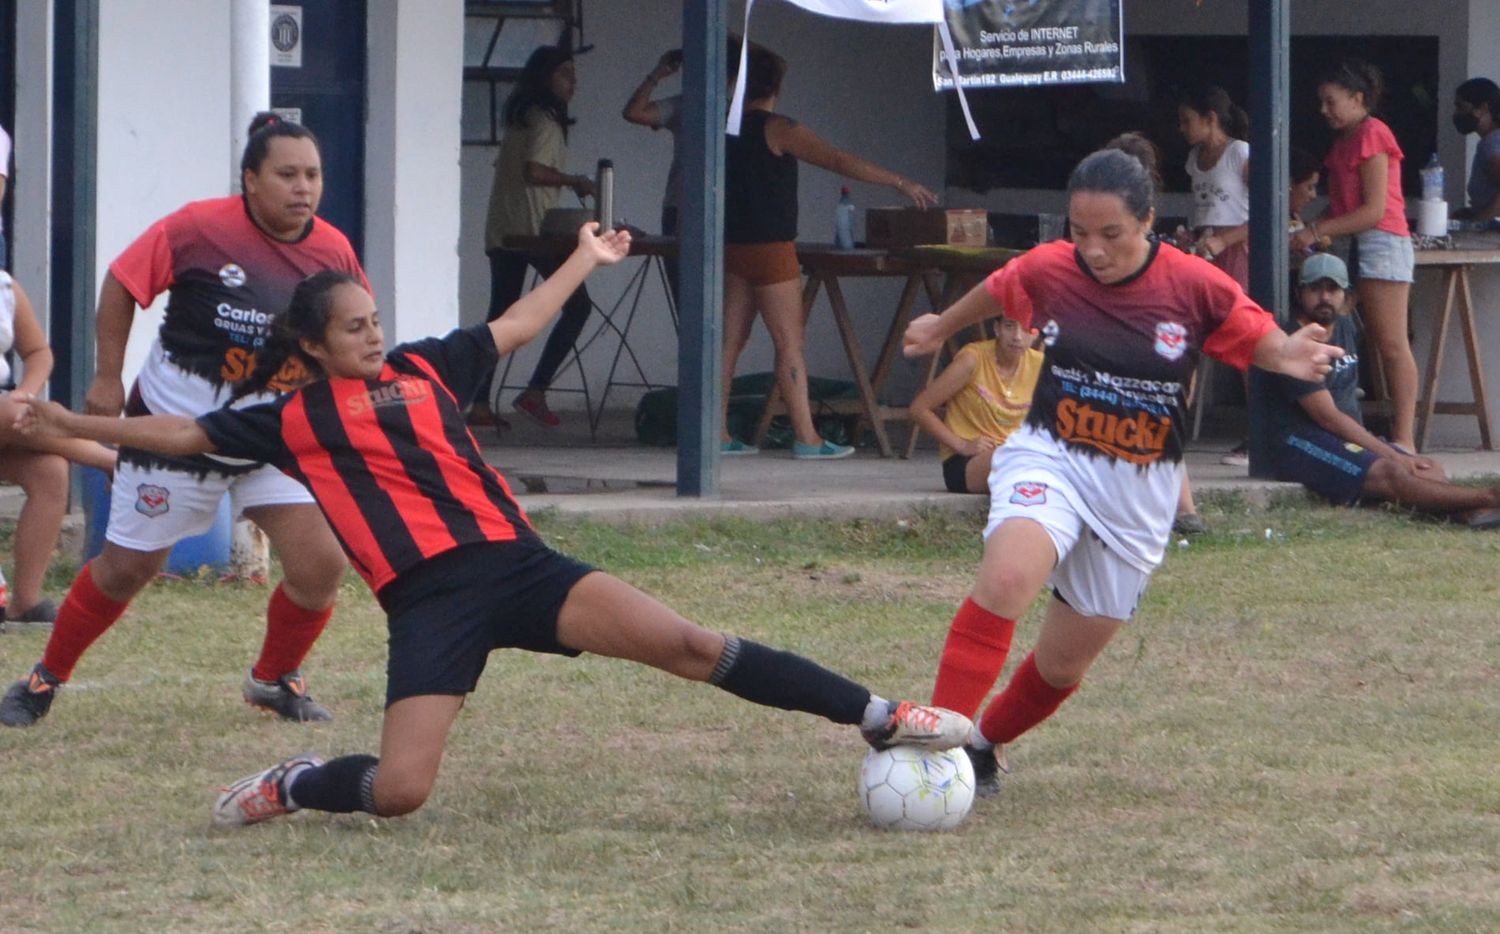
(152,508)
(1089,577)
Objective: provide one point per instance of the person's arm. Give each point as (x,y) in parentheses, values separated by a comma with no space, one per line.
(641,109)
(923,408)
(926,333)
(789,136)
(1372,184)
(1301,354)
(112,323)
(545,176)
(1484,212)
(164,434)
(1225,237)
(31,344)
(524,320)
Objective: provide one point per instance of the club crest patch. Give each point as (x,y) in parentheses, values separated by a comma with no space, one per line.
(1050,331)
(152,501)
(1171,339)
(232,275)
(1029,493)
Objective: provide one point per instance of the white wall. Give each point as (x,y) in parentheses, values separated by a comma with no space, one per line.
(878,105)
(30,183)
(412,164)
(163,65)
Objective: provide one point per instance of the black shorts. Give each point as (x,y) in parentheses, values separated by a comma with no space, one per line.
(446,616)
(1317,459)
(953,472)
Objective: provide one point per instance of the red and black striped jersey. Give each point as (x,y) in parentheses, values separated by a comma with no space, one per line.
(389,460)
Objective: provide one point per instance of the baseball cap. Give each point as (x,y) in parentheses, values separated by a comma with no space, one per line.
(1324,266)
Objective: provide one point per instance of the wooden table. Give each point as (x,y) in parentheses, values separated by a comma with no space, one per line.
(1456,265)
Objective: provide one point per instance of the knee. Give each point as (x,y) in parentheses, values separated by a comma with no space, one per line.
(46,478)
(316,573)
(120,574)
(700,649)
(999,589)
(397,794)
(1385,479)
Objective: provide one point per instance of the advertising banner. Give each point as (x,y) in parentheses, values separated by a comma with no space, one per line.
(1012,43)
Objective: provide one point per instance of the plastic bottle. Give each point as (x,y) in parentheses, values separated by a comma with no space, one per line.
(843,222)
(1432,180)
(604,195)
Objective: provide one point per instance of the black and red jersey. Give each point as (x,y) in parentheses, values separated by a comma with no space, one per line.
(228,279)
(389,460)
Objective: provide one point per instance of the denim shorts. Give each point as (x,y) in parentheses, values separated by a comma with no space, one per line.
(1386,256)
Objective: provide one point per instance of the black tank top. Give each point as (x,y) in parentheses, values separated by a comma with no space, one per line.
(760,187)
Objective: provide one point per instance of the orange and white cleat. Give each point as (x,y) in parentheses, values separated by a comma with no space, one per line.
(912,724)
(259,797)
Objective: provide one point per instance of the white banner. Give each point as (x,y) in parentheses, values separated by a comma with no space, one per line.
(916,12)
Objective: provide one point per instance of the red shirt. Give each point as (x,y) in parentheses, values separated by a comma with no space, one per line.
(389,460)
(1371,137)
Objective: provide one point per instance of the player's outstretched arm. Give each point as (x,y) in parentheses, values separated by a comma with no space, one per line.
(164,434)
(1302,354)
(524,320)
(926,333)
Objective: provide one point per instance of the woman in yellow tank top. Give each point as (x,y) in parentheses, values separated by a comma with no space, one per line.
(987,390)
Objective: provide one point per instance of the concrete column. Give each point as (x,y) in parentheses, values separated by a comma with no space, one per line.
(30,185)
(249,74)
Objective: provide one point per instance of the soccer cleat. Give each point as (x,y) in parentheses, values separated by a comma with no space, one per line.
(260,796)
(27,700)
(287,697)
(915,725)
(988,764)
(38,618)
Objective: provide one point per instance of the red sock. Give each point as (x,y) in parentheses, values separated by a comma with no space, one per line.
(290,634)
(978,642)
(85,615)
(1025,702)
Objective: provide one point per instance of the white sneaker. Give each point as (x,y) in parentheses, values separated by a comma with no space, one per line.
(258,797)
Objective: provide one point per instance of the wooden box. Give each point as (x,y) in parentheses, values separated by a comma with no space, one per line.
(898,227)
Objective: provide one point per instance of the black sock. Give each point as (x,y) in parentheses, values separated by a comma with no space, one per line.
(775,678)
(342,786)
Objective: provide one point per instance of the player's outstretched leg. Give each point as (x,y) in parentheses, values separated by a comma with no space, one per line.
(261,796)
(606,616)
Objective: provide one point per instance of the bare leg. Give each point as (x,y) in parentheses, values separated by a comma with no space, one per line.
(1384,306)
(739,316)
(311,559)
(781,307)
(977,474)
(606,616)
(412,740)
(1018,557)
(1389,480)
(44,478)
(1069,642)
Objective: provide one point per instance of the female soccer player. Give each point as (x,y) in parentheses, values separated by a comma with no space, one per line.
(1084,492)
(230,264)
(380,441)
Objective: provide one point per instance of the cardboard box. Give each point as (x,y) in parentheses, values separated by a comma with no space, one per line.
(898,227)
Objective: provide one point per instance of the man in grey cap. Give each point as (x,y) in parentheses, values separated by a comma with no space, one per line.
(1311,433)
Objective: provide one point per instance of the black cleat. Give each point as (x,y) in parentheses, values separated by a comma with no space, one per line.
(286,697)
(988,764)
(28,700)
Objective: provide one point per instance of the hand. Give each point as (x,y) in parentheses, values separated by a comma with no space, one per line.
(1304,356)
(1422,466)
(37,417)
(977,447)
(105,397)
(604,249)
(582,185)
(1211,246)
(1303,239)
(924,335)
(920,195)
(668,64)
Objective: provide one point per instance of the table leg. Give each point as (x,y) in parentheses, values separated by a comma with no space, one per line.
(1476,367)
(857,365)
(773,397)
(1435,362)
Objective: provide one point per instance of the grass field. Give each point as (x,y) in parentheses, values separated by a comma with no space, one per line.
(1297,732)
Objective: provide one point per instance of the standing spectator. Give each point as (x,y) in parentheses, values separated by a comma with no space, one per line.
(663,113)
(529,179)
(1365,202)
(39,466)
(1476,109)
(761,272)
(230,264)
(1219,165)
(4,184)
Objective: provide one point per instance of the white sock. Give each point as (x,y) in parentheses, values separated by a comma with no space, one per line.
(877,713)
(977,740)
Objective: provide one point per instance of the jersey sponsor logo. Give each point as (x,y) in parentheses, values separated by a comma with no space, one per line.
(1028,493)
(401,392)
(1050,330)
(1171,339)
(232,275)
(1138,439)
(239,363)
(152,501)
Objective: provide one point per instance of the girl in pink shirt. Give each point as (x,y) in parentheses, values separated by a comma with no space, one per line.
(1365,202)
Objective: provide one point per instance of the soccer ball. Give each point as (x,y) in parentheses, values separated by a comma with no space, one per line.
(908,788)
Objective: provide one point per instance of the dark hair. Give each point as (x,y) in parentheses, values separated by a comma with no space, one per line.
(306,316)
(1478,91)
(1212,99)
(1302,165)
(1114,172)
(265,127)
(1357,76)
(766,70)
(534,88)
(1137,144)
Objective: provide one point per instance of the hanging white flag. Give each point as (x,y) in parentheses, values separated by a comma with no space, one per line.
(873,11)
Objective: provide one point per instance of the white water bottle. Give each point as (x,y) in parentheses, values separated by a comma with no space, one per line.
(843,222)
(1432,180)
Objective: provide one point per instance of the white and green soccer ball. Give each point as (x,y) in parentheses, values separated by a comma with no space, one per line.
(909,788)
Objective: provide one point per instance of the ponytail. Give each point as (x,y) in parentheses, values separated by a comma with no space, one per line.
(282,359)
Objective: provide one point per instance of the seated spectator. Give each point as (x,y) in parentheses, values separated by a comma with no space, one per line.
(1310,433)
(987,390)
(39,466)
